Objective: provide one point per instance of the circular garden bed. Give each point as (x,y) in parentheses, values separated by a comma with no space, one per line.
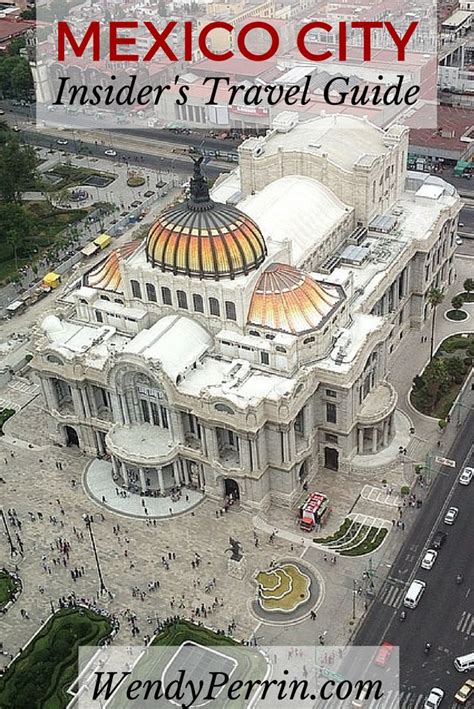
(456,315)
(135,181)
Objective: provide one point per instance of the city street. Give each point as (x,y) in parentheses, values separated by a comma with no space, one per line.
(445,615)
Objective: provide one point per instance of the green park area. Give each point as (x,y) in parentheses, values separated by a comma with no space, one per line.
(41,675)
(437,387)
(8,586)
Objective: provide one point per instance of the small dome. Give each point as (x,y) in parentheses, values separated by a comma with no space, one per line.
(290,300)
(52,325)
(203,238)
(107,275)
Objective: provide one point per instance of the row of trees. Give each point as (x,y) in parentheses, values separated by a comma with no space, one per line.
(16,80)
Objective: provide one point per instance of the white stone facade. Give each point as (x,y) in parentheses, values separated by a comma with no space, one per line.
(167,376)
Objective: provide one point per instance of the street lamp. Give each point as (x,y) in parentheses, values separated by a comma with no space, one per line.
(103,588)
(13,549)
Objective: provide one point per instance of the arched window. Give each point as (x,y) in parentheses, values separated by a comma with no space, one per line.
(214,308)
(255,333)
(151,292)
(98,316)
(104,297)
(118,300)
(166,296)
(279,348)
(136,290)
(182,299)
(308,340)
(230,310)
(198,303)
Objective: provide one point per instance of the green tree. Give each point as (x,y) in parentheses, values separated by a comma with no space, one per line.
(436,378)
(21,81)
(457,302)
(435,297)
(455,368)
(17,169)
(15,46)
(468,285)
(16,228)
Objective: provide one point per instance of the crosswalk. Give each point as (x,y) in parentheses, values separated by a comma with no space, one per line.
(391,594)
(466,624)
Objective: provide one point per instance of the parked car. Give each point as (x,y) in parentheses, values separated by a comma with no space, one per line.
(466,476)
(110,153)
(458,241)
(62,141)
(465,692)
(429,559)
(451,515)
(439,539)
(434,698)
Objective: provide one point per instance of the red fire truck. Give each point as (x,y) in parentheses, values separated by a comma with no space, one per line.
(313,510)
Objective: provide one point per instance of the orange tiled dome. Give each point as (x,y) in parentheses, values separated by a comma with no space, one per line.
(289,300)
(205,239)
(106,275)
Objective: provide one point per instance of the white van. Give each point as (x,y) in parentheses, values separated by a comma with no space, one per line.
(414,593)
(465,662)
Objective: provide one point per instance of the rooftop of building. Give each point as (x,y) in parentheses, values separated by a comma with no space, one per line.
(344,138)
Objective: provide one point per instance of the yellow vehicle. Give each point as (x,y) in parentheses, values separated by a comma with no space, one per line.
(465,692)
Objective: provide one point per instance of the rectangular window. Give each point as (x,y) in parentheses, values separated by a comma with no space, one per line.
(264,358)
(331,438)
(166,296)
(230,312)
(164,417)
(145,410)
(331,413)
(331,393)
(155,416)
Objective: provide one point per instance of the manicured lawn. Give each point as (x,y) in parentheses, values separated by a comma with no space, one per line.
(39,678)
(456,315)
(151,666)
(7,588)
(457,348)
(72,175)
(467,297)
(5,414)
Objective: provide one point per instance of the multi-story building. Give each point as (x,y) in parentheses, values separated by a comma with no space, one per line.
(245,343)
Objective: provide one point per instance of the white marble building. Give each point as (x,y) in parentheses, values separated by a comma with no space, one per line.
(246,343)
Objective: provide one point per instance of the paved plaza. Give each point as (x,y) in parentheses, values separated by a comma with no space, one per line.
(185,553)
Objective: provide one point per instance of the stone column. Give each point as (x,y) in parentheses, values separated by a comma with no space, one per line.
(184,465)
(161,481)
(77,402)
(123,404)
(85,401)
(49,394)
(202,480)
(115,467)
(292,441)
(361,441)
(385,432)
(100,444)
(307,419)
(141,473)
(124,474)
(374,439)
(117,414)
(176,423)
(211,443)
(176,473)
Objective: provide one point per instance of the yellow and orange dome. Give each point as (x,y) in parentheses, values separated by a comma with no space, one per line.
(289,300)
(205,239)
(106,275)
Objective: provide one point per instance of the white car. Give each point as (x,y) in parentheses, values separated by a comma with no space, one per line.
(466,476)
(62,141)
(458,241)
(429,559)
(434,698)
(110,153)
(451,515)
